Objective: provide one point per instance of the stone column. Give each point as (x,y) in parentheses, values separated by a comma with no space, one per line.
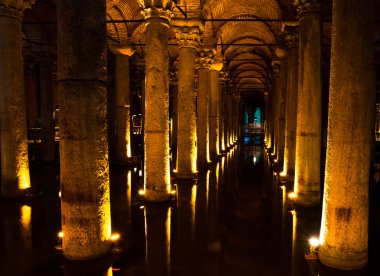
(344,227)
(156,104)
(281,111)
(276,108)
(222,113)
(174,130)
(47,106)
(230,118)
(308,137)
(82,86)
(13,133)
(123,151)
(214,110)
(188,39)
(291,105)
(203,63)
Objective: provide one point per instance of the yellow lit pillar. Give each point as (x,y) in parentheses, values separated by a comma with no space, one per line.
(82,86)
(291,103)
(14,148)
(276,108)
(188,38)
(156,103)
(344,227)
(222,113)
(214,110)
(281,111)
(122,150)
(308,136)
(203,64)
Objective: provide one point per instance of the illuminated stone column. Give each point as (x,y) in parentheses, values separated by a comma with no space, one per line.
(174,130)
(214,109)
(270,120)
(122,106)
(308,136)
(82,87)
(276,108)
(291,105)
(281,111)
(188,38)
(203,64)
(344,228)
(45,61)
(230,117)
(14,148)
(156,104)
(222,113)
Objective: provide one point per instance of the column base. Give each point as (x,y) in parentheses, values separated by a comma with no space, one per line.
(287,178)
(157,196)
(308,199)
(336,258)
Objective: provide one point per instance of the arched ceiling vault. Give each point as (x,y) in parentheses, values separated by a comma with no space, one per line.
(245,32)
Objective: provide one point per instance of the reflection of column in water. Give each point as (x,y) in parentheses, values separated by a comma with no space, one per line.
(185,242)
(121,201)
(109,272)
(157,239)
(294,240)
(25,220)
(213,209)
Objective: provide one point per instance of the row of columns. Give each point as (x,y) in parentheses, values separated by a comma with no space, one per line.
(344,226)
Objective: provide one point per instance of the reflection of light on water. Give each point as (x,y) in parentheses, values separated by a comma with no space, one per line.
(207,186)
(193,204)
(109,271)
(26,216)
(254,160)
(129,192)
(146,236)
(168,236)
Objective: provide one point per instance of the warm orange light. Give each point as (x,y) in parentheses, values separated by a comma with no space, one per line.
(314,243)
(115,237)
(142,192)
(283,173)
(60,235)
(292,195)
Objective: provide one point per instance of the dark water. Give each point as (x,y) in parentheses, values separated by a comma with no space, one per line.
(234,220)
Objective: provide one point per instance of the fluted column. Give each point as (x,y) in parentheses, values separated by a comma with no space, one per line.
(291,104)
(84,169)
(14,148)
(344,227)
(188,38)
(214,109)
(156,105)
(203,64)
(308,137)
(122,150)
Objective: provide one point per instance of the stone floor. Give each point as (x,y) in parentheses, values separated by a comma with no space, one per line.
(235,220)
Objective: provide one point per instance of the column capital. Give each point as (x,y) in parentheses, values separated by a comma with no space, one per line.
(188,36)
(203,59)
(121,49)
(157,9)
(217,62)
(15,8)
(291,36)
(306,6)
(276,69)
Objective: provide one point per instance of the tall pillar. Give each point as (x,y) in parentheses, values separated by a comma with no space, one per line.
(188,38)
(174,115)
(222,112)
(82,86)
(214,110)
(230,117)
(13,133)
(270,120)
(291,104)
(122,150)
(276,108)
(282,111)
(47,106)
(203,63)
(156,104)
(344,227)
(308,136)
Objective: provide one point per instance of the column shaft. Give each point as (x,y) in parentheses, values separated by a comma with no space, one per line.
(47,108)
(291,112)
(214,114)
(344,228)
(122,149)
(281,112)
(187,121)
(14,148)
(203,119)
(222,146)
(156,125)
(276,113)
(308,146)
(82,86)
